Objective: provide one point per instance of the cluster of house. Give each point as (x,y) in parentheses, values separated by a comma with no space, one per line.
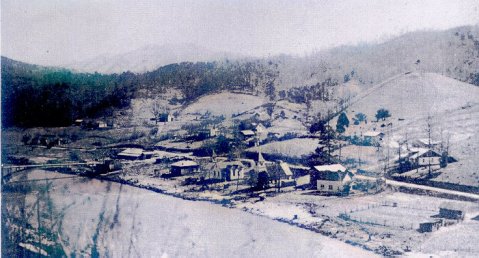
(449,213)
(333,179)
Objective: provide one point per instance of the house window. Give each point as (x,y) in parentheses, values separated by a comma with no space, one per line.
(330,187)
(322,186)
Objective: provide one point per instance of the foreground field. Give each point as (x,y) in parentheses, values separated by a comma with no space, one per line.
(123,221)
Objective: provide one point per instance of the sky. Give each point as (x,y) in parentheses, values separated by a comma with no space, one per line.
(56,32)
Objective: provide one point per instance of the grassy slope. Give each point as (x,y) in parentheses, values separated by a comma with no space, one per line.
(452,105)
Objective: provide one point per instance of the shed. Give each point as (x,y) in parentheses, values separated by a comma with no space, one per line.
(79,122)
(184,167)
(131,153)
(165,117)
(430,226)
(101,124)
(247,133)
(451,211)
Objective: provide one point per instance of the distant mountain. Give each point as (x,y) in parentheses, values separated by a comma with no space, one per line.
(149,58)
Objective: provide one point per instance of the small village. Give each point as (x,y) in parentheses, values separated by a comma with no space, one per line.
(229,163)
(240,129)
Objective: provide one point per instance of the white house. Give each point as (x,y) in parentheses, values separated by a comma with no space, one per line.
(101,124)
(330,178)
(425,157)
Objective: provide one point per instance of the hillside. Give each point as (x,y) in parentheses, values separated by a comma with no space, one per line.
(224,103)
(453,108)
(452,53)
(416,95)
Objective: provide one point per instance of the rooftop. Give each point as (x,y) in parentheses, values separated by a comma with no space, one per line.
(285,167)
(131,152)
(371,133)
(333,167)
(184,163)
(247,132)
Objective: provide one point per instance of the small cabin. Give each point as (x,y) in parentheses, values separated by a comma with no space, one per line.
(101,124)
(430,226)
(131,154)
(247,133)
(78,122)
(184,167)
(165,117)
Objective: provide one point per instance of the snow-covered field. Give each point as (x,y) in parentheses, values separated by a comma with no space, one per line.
(224,103)
(116,220)
(292,148)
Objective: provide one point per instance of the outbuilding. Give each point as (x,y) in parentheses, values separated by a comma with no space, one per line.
(184,167)
(430,226)
(131,154)
(451,211)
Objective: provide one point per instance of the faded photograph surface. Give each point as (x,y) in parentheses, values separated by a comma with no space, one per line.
(309,128)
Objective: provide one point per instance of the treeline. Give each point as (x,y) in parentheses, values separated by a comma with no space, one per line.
(38,96)
(47,97)
(197,79)
(320,91)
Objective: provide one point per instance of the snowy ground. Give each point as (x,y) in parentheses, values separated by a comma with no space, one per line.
(290,148)
(109,219)
(224,103)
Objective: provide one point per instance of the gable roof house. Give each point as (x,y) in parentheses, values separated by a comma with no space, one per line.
(330,178)
(184,167)
(424,157)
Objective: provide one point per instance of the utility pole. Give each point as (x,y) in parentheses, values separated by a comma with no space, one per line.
(429,143)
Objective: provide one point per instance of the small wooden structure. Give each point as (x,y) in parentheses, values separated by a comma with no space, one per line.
(430,226)
(184,167)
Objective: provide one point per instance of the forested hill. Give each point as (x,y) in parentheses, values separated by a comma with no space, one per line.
(40,96)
